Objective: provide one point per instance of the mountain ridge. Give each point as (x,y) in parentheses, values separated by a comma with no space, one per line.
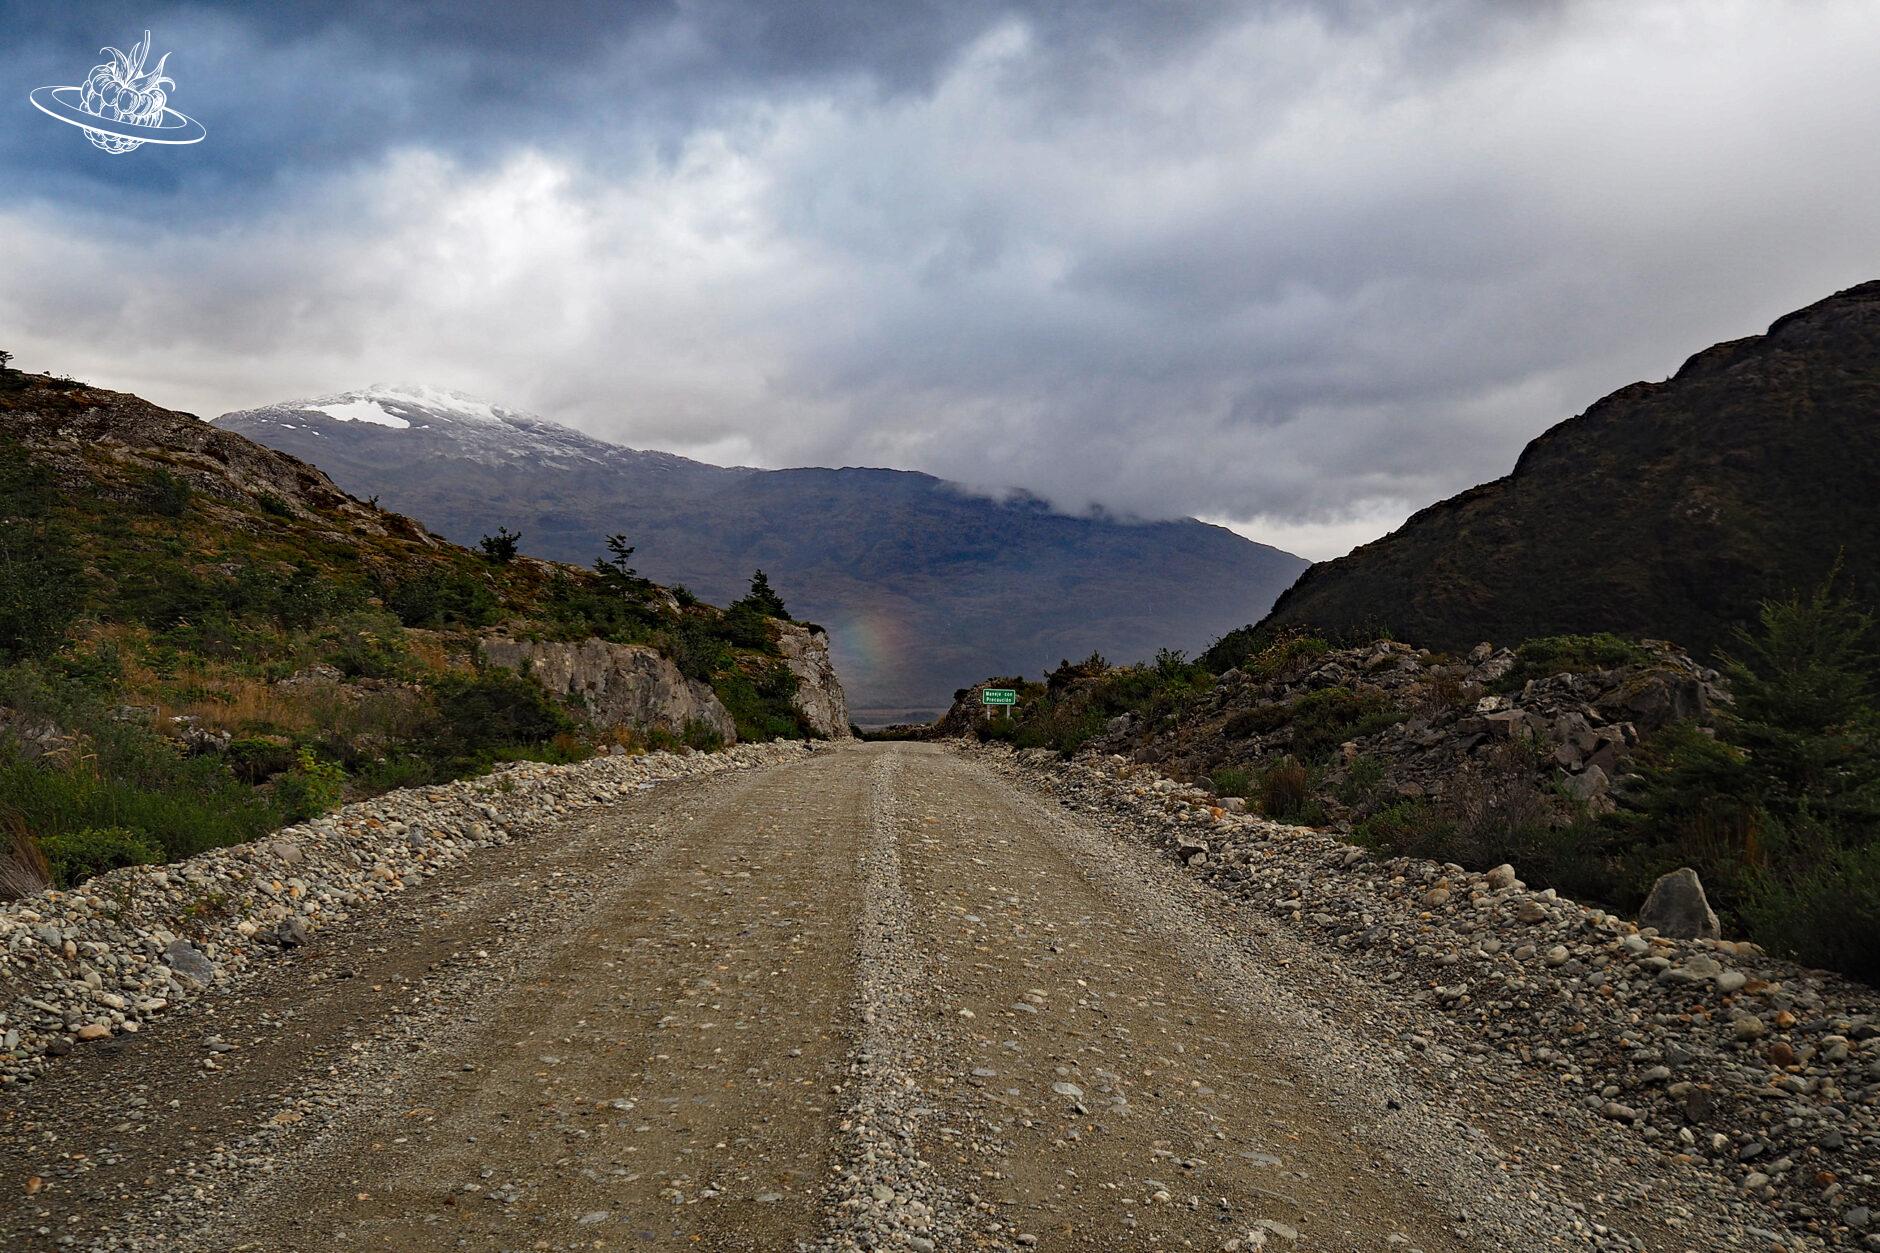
(1667,509)
(923,583)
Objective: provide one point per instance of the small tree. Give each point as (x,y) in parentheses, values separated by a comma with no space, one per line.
(763,599)
(6,359)
(617,572)
(1779,810)
(501,547)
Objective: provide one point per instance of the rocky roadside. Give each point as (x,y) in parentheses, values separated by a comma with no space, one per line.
(1749,1083)
(102,959)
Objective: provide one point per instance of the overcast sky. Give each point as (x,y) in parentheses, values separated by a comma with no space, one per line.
(1300,266)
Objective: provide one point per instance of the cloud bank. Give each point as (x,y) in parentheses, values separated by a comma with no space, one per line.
(1298,267)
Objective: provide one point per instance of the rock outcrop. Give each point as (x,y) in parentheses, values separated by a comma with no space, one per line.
(1426,724)
(619,685)
(819,695)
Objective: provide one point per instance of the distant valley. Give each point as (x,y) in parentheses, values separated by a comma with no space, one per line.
(922,585)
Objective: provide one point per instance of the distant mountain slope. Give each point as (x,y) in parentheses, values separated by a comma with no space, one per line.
(923,586)
(1667,509)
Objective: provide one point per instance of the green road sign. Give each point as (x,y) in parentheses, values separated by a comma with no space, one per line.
(999,696)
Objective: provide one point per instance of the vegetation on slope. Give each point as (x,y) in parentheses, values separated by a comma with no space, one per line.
(201,640)
(1774,799)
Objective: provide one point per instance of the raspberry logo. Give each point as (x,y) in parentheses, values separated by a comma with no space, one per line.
(121,105)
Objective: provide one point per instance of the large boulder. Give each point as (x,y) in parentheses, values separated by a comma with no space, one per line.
(618,685)
(1678,909)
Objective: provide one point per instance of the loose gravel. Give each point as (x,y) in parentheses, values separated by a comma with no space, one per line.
(1706,1095)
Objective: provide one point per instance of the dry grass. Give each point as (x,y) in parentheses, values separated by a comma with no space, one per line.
(241,705)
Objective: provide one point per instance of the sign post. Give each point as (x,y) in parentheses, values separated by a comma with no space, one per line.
(999,698)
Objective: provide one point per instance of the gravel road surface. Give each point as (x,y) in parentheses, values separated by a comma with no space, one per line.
(875,998)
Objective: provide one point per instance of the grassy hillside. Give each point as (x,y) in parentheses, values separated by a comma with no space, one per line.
(201,639)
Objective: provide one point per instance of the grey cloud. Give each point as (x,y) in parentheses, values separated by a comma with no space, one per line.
(1306,263)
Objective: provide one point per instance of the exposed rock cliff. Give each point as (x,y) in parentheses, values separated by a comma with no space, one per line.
(819,695)
(620,685)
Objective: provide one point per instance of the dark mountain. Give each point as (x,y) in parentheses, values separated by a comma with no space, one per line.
(1666,510)
(922,585)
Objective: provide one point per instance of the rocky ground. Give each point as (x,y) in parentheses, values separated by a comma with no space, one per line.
(912,996)
(1428,725)
(1696,1078)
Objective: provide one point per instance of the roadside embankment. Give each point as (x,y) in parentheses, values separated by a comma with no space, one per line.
(89,963)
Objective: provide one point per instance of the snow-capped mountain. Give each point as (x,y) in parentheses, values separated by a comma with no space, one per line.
(433,417)
(923,586)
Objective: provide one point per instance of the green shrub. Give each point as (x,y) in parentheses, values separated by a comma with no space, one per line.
(1232,781)
(1320,720)
(185,805)
(742,626)
(1059,726)
(696,648)
(1256,721)
(256,759)
(1364,778)
(1825,912)
(368,645)
(702,737)
(42,584)
(1409,828)
(273,505)
(443,597)
(1559,654)
(491,709)
(167,495)
(310,789)
(1779,812)
(1262,653)
(762,707)
(76,856)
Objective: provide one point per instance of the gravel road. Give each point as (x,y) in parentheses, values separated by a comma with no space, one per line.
(878,997)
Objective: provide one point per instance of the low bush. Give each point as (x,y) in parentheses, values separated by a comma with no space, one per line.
(1363,781)
(443,597)
(490,709)
(1825,912)
(1232,781)
(310,789)
(75,856)
(1320,720)
(762,706)
(1556,654)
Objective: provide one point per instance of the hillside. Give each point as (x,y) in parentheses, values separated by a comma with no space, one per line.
(918,581)
(201,638)
(1667,509)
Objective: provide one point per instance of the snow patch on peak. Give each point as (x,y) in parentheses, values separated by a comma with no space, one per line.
(361,411)
(438,399)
